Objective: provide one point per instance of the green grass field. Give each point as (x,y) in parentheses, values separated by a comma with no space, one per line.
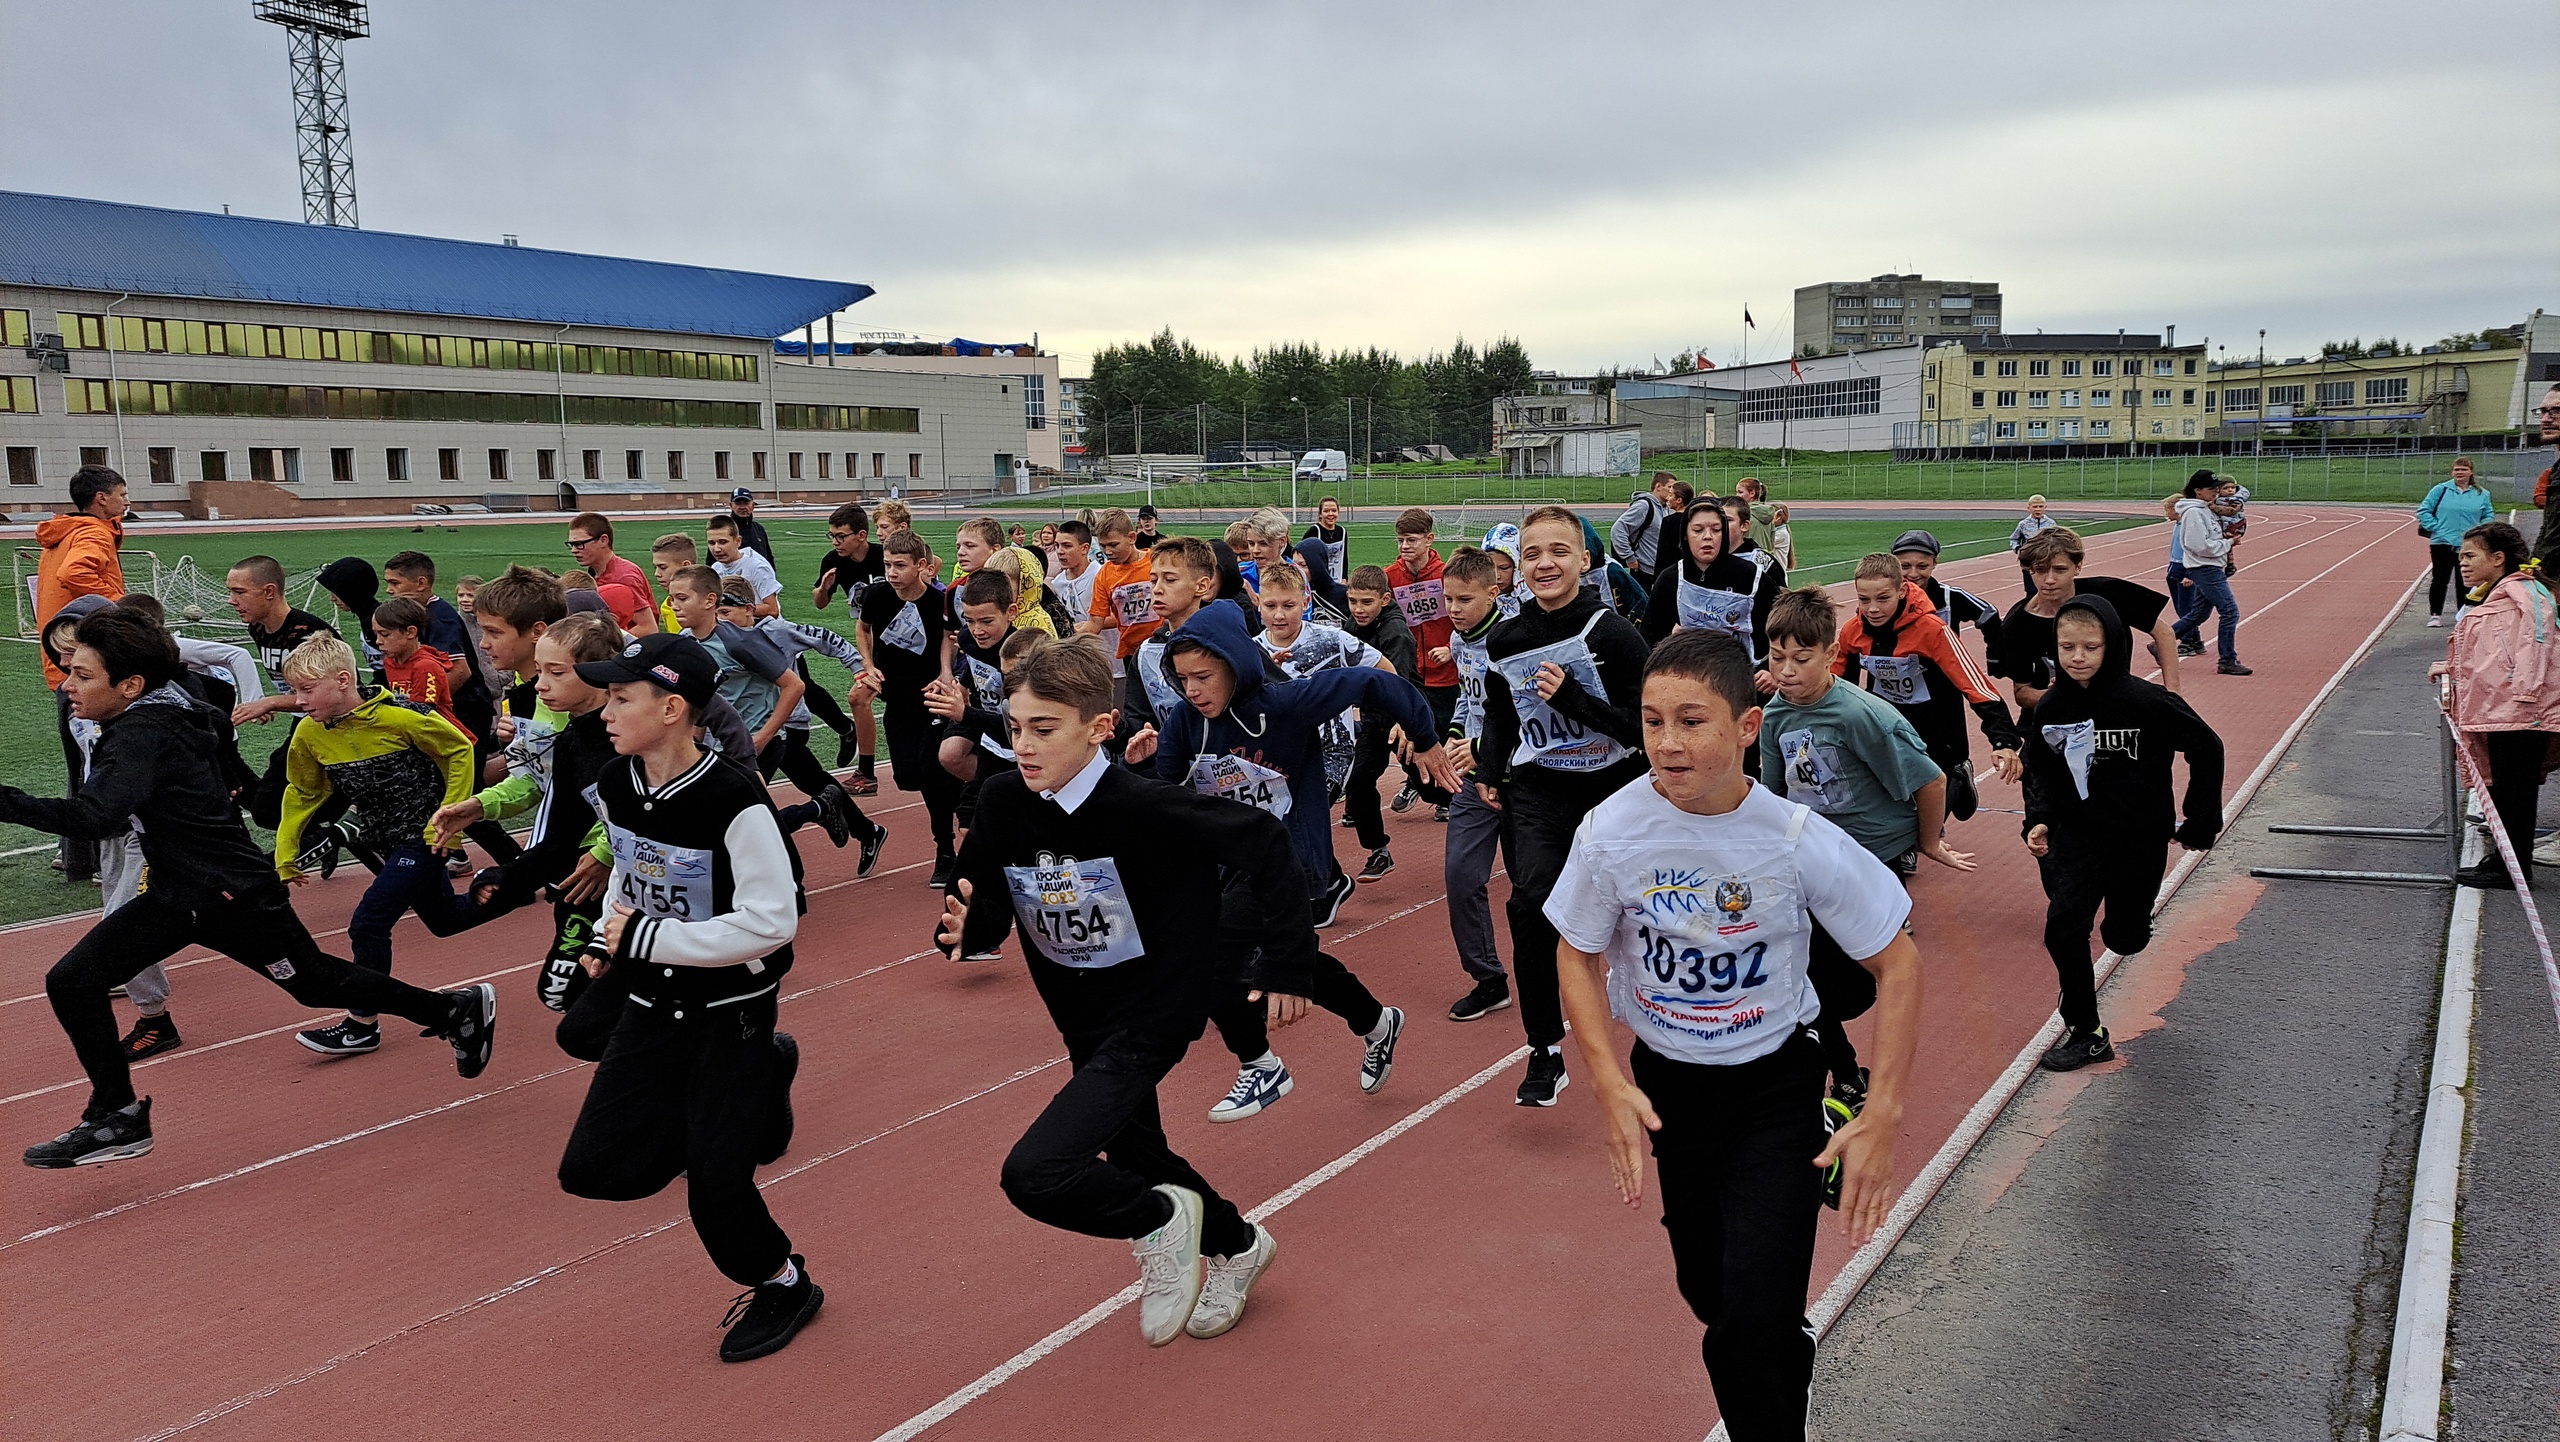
(31,758)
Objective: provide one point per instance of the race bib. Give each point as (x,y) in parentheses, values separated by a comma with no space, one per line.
(1160,689)
(2075,743)
(1237,779)
(1134,603)
(1421,602)
(1704,608)
(1548,737)
(1811,770)
(1473,667)
(1076,912)
(655,879)
(986,685)
(1902,680)
(1706,957)
(1336,554)
(907,631)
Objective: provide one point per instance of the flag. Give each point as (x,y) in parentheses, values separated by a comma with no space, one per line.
(1746,318)
(1793,369)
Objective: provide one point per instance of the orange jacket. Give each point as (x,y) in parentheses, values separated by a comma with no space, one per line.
(79,559)
(1917,632)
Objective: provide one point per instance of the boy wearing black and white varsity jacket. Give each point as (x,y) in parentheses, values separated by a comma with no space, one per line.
(701,911)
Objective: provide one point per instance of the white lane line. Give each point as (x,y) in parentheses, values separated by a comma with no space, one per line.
(1103,1310)
(224,1409)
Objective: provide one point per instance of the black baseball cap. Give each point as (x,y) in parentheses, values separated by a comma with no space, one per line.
(670,661)
(1915,541)
(742,494)
(1146,513)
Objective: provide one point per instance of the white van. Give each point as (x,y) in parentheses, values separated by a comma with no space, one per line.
(1323,469)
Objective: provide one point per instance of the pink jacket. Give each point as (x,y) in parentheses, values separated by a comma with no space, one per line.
(2505,660)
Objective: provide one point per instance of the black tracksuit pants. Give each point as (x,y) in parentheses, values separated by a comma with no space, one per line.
(915,762)
(788,752)
(258,930)
(821,702)
(684,1089)
(1540,809)
(1092,1159)
(1740,1198)
(1245,1026)
(2515,787)
(2082,874)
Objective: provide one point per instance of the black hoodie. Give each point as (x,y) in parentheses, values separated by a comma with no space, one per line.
(1738,572)
(2098,756)
(1390,637)
(353,581)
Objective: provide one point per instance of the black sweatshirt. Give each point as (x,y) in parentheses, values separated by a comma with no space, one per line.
(563,821)
(1728,572)
(1390,637)
(1167,844)
(1620,652)
(2099,755)
(160,763)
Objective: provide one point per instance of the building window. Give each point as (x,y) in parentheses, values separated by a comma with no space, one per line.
(17,327)
(675,465)
(2102,367)
(449,463)
(2282,395)
(2335,393)
(2187,397)
(1985,322)
(2008,400)
(2161,366)
(2004,430)
(2039,367)
(824,458)
(2208,401)
(848,418)
(2039,400)
(2071,367)
(2159,428)
(1848,339)
(879,464)
(1850,302)
(2101,398)
(759,458)
(635,466)
(216,465)
(2067,430)
(276,464)
(1955,302)
(22,465)
(1849,320)
(2099,430)
(342,465)
(1886,302)
(164,465)
(2388,391)
(546,465)
(795,465)
(2071,400)
(2190,368)
(1977,400)
(915,465)
(1035,402)
(591,465)
(1977,367)
(1932,399)
(497,464)
(371,403)
(395,464)
(19,395)
(719,465)
(2008,368)
(2038,430)
(2240,398)
(2187,427)
(93,455)
(2159,398)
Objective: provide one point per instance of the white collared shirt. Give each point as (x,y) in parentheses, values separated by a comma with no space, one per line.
(1080,786)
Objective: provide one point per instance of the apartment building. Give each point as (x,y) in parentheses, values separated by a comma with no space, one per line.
(1841,315)
(2060,390)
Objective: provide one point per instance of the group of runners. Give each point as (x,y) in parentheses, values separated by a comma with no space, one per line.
(1711,792)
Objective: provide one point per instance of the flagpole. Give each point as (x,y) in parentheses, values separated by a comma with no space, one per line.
(1742,417)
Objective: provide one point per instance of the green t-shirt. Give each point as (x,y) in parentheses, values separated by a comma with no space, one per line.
(1853,758)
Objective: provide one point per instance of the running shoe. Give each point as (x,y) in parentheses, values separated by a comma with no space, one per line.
(1256,1088)
(848,750)
(871,845)
(457,862)
(1962,799)
(2079,1049)
(1492,994)
(349,1037)
(473,1031)
(2489,874)
(1440,814)
(786,1053)
(765,1317)
(1851,1092)
(943,866)
(863,784)
(990,954)
(151,1035)
(1225,1283)
(2190,648)
(1835,1115)
(1404,800)
(101,1136)
(831,815)
(1546,1079)
(1380,1056)
(1349,825)
(1329,907)
(2435,622)
(1169,1268)
(2232,668)
(1380,863)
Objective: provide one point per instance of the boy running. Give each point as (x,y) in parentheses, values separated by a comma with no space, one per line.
(1475,828)
(1917,553)
(1122,612)
(851,566)
(1419,591)
(900,636)
(1300,647)
(1908,657)
(2052,560)
(1115,882)
(791,754)
(411,669)
(1376,623)
(155,762)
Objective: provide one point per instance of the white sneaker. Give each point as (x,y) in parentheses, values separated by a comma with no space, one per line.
(2434,622)
(2546,852)
(1169,1269)
(1256,1088)
(1222,1295)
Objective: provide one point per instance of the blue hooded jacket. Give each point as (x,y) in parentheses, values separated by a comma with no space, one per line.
(1277,724)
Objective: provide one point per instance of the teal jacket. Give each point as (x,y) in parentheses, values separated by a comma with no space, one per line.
(2449,511)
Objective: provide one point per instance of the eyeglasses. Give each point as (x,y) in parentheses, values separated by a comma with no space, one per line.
(577,543)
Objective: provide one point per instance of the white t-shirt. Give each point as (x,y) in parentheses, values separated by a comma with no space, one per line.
(757,570)
(1706,920)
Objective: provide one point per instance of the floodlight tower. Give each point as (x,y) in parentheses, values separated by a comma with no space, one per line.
(317,31)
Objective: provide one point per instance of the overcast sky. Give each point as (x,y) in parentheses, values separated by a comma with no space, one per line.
(1608,183)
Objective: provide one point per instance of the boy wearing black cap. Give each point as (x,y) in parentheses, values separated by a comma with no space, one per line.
(1147,536)
(699,918)
(1917,552)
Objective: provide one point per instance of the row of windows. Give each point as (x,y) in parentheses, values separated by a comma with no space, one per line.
(2070,430)
(289,342)
(793,417)
(1816,400)
(373,403)
(2378,391)
(2069,400)
(2132,367)
(283,464)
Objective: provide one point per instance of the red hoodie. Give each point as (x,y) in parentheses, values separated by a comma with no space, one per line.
(1917,632)
(1426,612)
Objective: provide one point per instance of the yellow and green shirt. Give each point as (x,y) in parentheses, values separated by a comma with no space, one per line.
(395,763)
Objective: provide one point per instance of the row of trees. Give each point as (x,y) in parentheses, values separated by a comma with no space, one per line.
(1165,394)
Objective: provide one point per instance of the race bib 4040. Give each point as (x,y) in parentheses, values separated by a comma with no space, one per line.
(1076,912)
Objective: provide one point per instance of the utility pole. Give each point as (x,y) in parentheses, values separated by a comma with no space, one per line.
(316,32)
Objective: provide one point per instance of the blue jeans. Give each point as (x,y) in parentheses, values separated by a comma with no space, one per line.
(412,879)
(2209,589)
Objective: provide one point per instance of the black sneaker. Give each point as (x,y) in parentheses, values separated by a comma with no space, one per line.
(786,1050)
(1378,1058)
(848,750)
(1329,906)
(839,827)
(2231,668)
(1961,797)
(871,845)
(1545,1081)
(1440,813)
(151,1035)
(944,864)
(349,1037)
(1349,825)
(1404,800)
(764,1318)
(2489,874)
(110,1136)
(1851,1092)
(1491,995)
(2190,648)
(473,1031)
(2079,1049)
(1380,863)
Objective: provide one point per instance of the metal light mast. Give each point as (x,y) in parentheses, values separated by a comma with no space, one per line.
(316,32)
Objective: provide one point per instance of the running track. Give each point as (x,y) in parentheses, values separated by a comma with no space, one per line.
(371,1242)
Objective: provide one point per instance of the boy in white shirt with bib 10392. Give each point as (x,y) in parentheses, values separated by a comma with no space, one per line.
(1687,908)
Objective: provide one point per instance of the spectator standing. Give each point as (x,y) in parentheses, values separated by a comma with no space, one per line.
(2448,513)
(742,509)
(2504,664)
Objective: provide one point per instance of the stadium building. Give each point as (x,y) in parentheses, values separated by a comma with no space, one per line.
(238,368)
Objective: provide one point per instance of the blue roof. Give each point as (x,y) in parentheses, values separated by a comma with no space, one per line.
(49,240)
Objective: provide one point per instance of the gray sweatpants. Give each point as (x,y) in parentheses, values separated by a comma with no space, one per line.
(1466,865)
(120,881)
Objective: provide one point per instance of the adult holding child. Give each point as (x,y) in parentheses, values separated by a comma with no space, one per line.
(2504,665)
(2452,507)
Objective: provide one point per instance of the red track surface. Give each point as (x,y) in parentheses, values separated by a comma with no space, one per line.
(370,1239)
